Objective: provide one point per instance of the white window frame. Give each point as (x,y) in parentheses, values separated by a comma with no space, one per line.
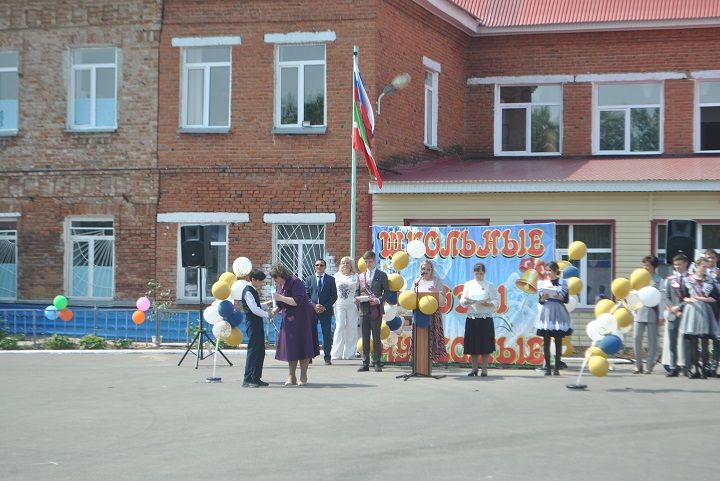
(70,239)
(206,67)
(180,284)
(698,106)
(560,253)
(499,107)
(93,91)
(300,64)
(16,71)
(432,69)
(11,236)
(627,110)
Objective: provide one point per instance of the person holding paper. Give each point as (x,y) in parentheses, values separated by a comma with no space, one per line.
(480,297)
(554,321)
(374,290)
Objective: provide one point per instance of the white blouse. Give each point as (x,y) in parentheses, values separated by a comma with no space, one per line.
(471,290)
(346,287)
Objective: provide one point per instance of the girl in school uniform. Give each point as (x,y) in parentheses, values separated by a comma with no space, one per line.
(554,321)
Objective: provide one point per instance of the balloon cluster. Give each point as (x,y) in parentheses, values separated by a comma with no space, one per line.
(221,313)
(59,309)
(143,305)
(613,319)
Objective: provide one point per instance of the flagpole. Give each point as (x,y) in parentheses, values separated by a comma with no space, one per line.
(353,168)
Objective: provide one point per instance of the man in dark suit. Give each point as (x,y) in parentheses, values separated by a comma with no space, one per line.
(374,284)
(322,292)
(674,294)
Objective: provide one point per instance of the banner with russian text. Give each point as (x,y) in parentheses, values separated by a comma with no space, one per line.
(508,252)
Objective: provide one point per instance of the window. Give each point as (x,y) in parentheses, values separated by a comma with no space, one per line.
(708,116)
(92,270)
(707,237)
(300,88)
(627,118)
(528,120)
(188,287)
(206,87)
(93,89)
(596,266)
(431,107)
(297,246)
(8,260)
(8,93)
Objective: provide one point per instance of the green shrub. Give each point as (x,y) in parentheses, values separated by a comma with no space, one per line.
(58,342)
(8,344)
(92,341)
(122,343)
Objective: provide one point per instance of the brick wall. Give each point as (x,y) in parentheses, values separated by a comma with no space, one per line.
(47,173)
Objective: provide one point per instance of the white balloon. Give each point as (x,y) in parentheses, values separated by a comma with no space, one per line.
(211,314)
(416,249)
(236,289)
(572,303)
(594,330)
(649,296)
(608,323)
(242,266)
(633,301)
(390,312)
(222,329)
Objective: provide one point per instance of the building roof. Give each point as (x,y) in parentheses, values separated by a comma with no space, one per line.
(493,17)
(597,174)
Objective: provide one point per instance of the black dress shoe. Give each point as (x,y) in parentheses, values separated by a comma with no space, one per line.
(328,362)
(262,383)
(482,374)
(556,372)
(473,373)
(672,374)
(364,368)
(378,368)
(548,372)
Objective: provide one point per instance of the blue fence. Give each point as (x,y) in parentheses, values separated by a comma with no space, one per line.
(176,326)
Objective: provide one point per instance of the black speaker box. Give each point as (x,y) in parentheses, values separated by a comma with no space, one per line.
(680,239)
(194,246)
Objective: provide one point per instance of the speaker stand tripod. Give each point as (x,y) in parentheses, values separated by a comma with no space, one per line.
(201,336)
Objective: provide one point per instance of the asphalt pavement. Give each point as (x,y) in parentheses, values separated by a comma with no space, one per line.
(136,415)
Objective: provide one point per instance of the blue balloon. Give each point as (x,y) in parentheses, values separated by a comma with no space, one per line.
(236,318)
(571,271)
(51,312)
(226,309)
(395,323)
(610,344)
(420,318)
(392,298)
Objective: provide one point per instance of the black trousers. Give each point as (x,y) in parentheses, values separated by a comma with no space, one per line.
(367,326)
(255,350)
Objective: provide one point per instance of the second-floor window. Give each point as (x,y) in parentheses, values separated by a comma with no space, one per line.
(431,107)
(628,118)
(206,87)
(528,119)
(300,95)
(93,92)
(8,92)
(708,116)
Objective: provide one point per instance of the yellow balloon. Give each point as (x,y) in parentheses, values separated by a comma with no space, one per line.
(623,317)
(227,278)
(396,282)
(620,287)
(563,264)
(384,331)
(361,265)
(640,278)
(400,260)
(408,300)
(428,305)
(594,351)
(360,346)
(598,366)
(221,290)
(235,338)
(577,250)
(603,306)
(574,286)
(568,349)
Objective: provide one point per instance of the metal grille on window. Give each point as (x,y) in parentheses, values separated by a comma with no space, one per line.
(8,263)
(93,265)
(299,245)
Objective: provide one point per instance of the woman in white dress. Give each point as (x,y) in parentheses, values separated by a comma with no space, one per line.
(347,317)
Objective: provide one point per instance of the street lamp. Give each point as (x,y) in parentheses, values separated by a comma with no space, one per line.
(398,83)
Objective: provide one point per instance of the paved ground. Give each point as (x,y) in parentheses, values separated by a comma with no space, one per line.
(138,416)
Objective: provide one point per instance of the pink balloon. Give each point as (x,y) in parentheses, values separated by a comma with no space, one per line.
(143,304)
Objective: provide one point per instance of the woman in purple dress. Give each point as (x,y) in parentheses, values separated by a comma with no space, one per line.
(295,340)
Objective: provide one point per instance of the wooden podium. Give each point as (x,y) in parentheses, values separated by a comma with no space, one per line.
(421,359)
